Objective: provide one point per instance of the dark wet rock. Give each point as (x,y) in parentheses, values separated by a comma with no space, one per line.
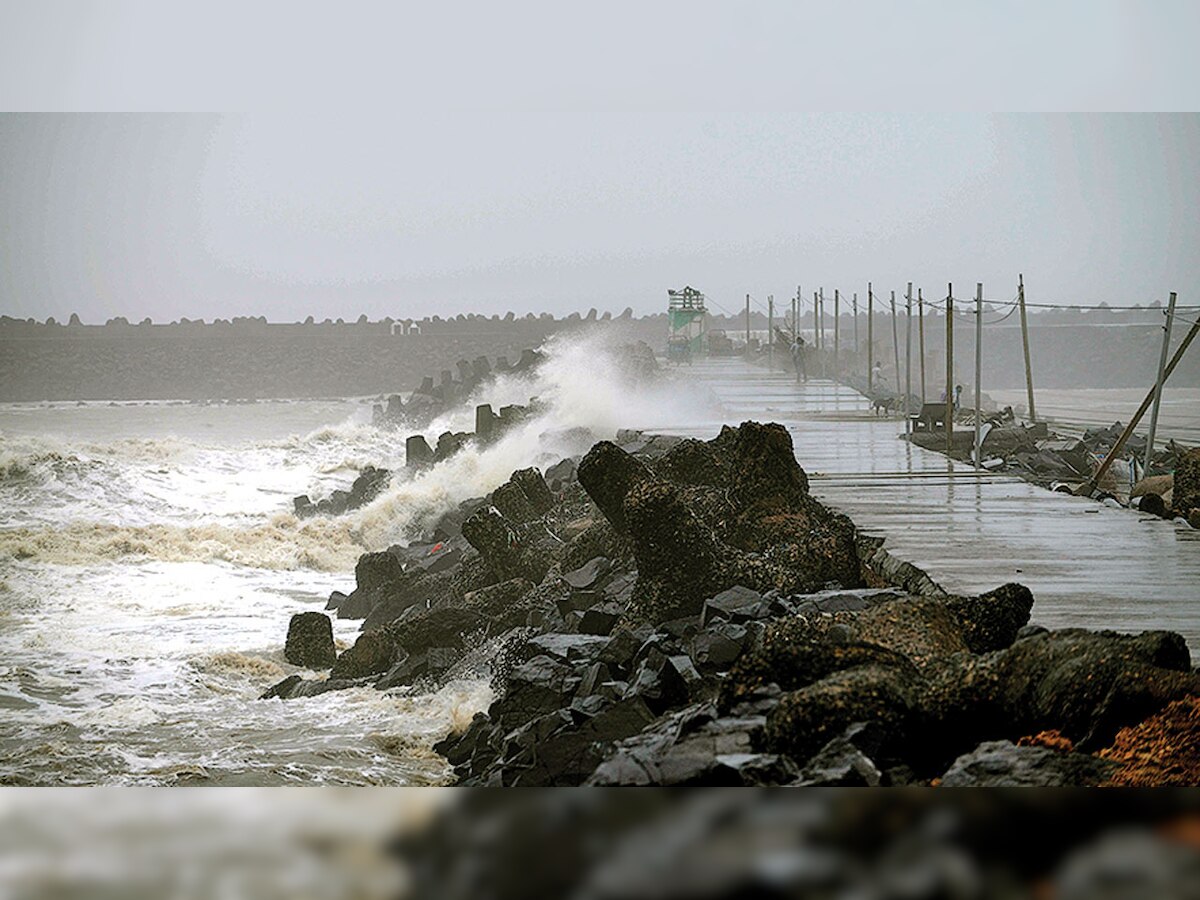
(621,648)
(924,631)
(538,686)
(665,681)
(281,690)
(679,561)
(569,648)
(797,652)
(597,539)
(600,619)
(372,654)
(993,620)
(738,604)
(512,503)
(608,473)
(840,763)
(492,535)
(417,452)
(562,472)
(693,746)
(806,719)
(692,462)
(589,574)
(498,603)
(718,645)
(1028,631)
(1186,493)
(376,575)
(571,754)
(1004,764)
(1086,685)
(336,599)
(535,489)
(310,641)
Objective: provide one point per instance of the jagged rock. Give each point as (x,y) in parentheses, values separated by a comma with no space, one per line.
(738,604)
(281,690)
(1186,494)
(608,473)
(883,695)
(493,536)
(586,576)
(497,603)
(600,619)
(1086,685)
(535,489)
(679,561)
(840,763)
(993,620)
(310,641)
(569,648)
(718,645)
(692,462)
(372,654)
(512,503)
(1004,764)
(336,599)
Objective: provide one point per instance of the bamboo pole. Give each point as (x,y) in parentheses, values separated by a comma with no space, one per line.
(1158,388)
(1141,411)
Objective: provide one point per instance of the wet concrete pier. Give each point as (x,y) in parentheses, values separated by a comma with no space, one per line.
(1087,564)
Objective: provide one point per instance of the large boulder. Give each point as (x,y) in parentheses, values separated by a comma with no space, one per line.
(310,641)
(608,473)
(679,561)
(1004,764)
(1186,495)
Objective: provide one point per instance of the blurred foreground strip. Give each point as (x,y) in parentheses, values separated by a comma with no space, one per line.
(135,843)
(1045,844)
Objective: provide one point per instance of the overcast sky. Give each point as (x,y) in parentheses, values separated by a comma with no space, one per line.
(470,161)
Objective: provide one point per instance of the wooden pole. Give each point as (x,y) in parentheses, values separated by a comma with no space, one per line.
(771,332)
(796,313)
(747,326)
(908,358)
(949,368)
(1141,411)
(870,341)
(837,314)
(1025,345)
(856,345)
(895,342)
(1158,387)
(921,334)
(978,375)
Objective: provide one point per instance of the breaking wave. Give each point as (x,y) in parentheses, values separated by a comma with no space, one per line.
(282,543)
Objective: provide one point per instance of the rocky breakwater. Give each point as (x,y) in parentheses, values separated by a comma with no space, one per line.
(437,395)
(685,612)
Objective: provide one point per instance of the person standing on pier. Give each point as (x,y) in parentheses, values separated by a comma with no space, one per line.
(799,351)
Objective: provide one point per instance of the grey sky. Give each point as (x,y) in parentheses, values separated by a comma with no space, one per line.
(550,158)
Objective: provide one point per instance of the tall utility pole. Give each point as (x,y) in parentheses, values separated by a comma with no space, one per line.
(978,375)
(949,368)
(921,333)
(796,313)
(896,344)
(870,340)
(747,326)
(771,332)
(856,347)
(1158,387)
(837,314)
(908,358)
(1025,344)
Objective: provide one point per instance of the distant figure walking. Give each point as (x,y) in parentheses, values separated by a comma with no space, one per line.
(799,351)
(877,375)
